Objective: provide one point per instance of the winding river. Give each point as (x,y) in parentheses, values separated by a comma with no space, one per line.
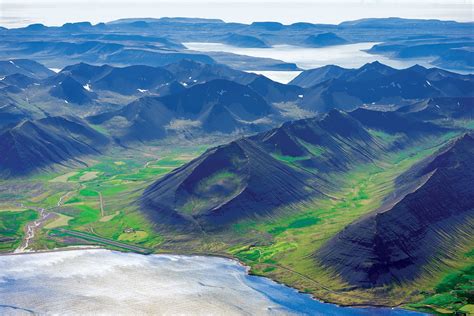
(108,282)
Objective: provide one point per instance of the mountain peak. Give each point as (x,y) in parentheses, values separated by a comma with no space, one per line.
(376,65)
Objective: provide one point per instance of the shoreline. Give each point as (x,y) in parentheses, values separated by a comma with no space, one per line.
(248,270)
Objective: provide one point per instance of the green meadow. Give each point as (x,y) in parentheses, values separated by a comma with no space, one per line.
(12,227)
(96,199)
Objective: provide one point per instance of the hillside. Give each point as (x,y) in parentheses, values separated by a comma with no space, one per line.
(324,39)
(376,83)
(25,67)
(419,225)
(71,91)
(41,144)
(251,177)
(215,106)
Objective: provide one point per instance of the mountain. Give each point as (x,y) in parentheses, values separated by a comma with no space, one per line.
(378,83)
(19,80)
(309,78)
(85,73)
(252,177)
(324,39)
(417,227)
(397,23)
(273,91)
(193,72)
(138,79)
(215,106)
(25,67)
(123,80)
(240,40)
(453,53)
(370,72)
(153,58)
(395,122)
(267,26)
(157,42)
(41,144)
(11,113)
(132,79)
(443,108)
(71,91)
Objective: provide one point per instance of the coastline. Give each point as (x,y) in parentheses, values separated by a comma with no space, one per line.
(247,268)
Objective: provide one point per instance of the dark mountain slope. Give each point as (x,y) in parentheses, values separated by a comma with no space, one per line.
(252,177)
(273,91)
(241,40)
(192,72)
(369,71)
(309,78)
(332,143)
(124,80)
(377,83)
(440,108)
(71,91)
(394,122)
(130,80)
(40,144)
(223,185)
(19,80)
(324,39)
(430,213)
(11,113)
(25,67)
(215,106)
(85,73)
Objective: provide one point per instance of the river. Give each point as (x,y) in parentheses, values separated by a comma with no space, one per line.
(108,282)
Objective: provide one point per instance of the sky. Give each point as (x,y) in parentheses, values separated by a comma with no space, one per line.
(17,13)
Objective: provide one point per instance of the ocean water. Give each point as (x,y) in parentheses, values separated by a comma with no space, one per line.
(107,282)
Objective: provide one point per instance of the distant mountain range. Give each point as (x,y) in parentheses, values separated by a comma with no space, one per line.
(130,42)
